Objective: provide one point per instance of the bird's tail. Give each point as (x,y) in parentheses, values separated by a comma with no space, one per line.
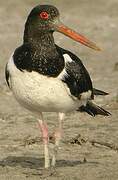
(93,109)
(99,92)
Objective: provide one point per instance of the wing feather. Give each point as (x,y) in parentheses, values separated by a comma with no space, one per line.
(75,75)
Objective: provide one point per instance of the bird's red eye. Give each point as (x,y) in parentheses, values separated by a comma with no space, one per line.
(44,15)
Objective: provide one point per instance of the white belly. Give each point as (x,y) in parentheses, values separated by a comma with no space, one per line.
(40,93)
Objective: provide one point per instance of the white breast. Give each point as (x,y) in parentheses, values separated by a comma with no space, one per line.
(40,93)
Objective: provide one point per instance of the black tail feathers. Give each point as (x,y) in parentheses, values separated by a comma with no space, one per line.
(93,109)
(99,92)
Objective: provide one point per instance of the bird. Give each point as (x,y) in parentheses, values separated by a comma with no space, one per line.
(47,78)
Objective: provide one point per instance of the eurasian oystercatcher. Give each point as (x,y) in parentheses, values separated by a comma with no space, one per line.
(47,78)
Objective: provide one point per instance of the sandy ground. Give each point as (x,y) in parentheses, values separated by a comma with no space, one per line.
(94,154)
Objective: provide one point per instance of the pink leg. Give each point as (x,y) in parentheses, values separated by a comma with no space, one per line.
(44,130)
(57,137)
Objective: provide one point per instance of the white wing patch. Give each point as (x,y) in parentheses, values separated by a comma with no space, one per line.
(67,59)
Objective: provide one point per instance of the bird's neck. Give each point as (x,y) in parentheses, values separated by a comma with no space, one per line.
(39,40)
(44,56)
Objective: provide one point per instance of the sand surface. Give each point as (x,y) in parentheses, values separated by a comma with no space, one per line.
(89,149)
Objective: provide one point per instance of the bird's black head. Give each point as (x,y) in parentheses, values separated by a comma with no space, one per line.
(42,18)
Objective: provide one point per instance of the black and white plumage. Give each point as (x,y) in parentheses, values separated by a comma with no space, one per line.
(46,78)
(74,78)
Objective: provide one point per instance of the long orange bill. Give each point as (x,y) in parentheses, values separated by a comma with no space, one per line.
(74,35)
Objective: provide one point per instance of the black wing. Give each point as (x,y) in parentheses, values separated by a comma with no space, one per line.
(76,76)
(93,109)
(98,92)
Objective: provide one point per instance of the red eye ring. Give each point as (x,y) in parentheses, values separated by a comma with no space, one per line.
(44,15)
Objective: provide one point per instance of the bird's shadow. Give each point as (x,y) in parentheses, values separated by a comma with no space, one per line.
(37,163)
